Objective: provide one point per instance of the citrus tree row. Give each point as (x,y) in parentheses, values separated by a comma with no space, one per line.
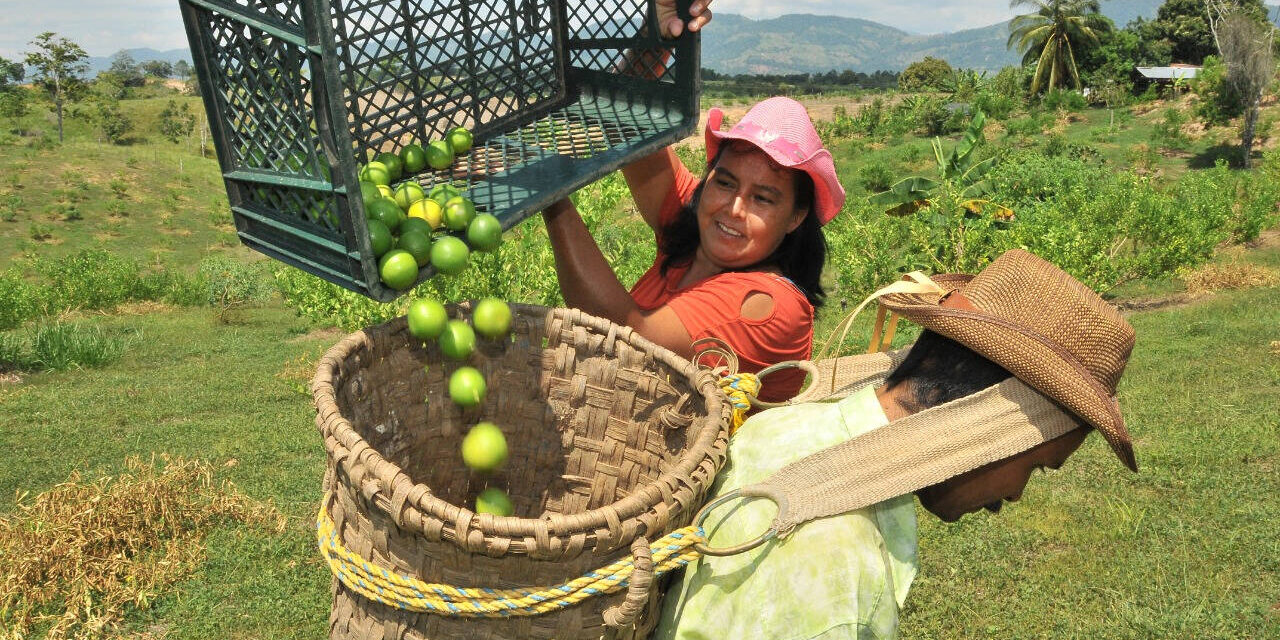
(409,227)
(484,448)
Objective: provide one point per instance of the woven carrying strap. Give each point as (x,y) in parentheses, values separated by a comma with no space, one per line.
(920,450)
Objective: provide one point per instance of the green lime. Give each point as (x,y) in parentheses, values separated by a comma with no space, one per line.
(484,448)
(485,232)
(399,270)
(414,158)
(449,255)
(492,318)
(379,237)
(416,224)
(458,213)
(439,154)
(369,192)
(442,192)
(386,211)
(395,166)
(458,340)
(408,193)
(495,501)
(460,139)
(427,318)
(466,387)
(418,244)
(376,172)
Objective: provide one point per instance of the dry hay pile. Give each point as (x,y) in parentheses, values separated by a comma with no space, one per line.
(1229,275)
(74,557)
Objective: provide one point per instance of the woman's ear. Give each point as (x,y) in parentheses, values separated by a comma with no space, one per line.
(797,218)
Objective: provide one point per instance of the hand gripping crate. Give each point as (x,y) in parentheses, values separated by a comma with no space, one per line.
(300,93)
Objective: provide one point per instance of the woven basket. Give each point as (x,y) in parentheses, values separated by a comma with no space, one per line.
(611,438)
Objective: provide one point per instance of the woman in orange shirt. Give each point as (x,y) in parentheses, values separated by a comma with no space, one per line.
(740,252)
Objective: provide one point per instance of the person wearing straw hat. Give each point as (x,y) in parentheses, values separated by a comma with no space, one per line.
(740,250)
(1014,367)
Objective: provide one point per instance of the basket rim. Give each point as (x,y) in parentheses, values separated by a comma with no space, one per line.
(411,504)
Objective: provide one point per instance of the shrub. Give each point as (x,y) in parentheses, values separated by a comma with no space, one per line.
(1065,100)
(112,122)
(90,279)
(996,105)
(19,300)
(230,284)
(875,177)
(1167,133)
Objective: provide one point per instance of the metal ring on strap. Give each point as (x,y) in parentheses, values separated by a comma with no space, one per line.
(750,492)
(807,365)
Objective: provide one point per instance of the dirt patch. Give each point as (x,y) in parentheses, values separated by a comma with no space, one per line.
(10,377)
(1265,240)
(327,334)
(1229,275)
(1153,303)
(141,308)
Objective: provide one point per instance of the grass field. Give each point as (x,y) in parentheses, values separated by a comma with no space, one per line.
(1186,548)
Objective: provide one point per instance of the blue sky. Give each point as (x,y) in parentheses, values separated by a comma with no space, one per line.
(103,27)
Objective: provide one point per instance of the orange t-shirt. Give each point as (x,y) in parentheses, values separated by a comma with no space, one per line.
(711,307)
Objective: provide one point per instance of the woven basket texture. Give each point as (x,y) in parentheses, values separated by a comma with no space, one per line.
(610,437)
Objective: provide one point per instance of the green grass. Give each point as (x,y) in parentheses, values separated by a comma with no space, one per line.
(1186,547)
(149,200)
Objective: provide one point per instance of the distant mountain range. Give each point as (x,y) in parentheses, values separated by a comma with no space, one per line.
(801,43)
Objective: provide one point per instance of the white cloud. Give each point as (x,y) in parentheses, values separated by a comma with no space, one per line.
(100,28)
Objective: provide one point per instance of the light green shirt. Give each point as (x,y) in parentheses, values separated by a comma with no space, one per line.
(840,577)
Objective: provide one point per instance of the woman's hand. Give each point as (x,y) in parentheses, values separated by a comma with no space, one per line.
(670,23)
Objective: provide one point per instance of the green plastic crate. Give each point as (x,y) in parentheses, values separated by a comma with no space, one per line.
(299,93)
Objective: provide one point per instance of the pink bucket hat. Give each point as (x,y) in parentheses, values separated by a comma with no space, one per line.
(782,129)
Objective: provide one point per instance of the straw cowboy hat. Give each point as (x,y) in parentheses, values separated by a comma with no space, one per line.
(1043,326)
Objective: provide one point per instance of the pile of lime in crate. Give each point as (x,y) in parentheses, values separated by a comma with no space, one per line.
(484,448)
(410,228)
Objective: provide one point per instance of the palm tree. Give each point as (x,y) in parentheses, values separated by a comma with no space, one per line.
(1050,35)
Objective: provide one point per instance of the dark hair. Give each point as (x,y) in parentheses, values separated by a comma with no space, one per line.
(799,257)
(938,370)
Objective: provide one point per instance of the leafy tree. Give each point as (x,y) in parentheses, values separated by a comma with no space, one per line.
(13,101)
(1052,34)
(157,68)
(58,64)
(110,84)
(182,69)
(1218,102)
(1183,27)
(11,73)
(925,75)
(126,68)
(176,123)
(1247,49)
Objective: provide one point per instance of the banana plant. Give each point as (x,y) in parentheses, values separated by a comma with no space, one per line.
(958,171)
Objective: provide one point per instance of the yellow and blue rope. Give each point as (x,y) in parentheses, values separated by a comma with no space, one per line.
(740,387)
(670,552)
